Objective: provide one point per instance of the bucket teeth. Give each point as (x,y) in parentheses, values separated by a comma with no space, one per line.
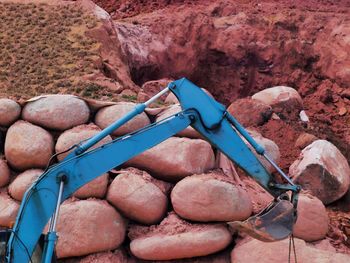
(272,224)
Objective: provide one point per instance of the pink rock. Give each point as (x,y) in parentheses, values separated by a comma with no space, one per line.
(282,99)
(250,112)
(208,197)
(277,252)
(151,88)
(117,256)
(323,170)
(304,140)
(88,226)
(176,158)
(22,182)
(259,196)
(176,239)
(270,147)
(137,197)
(28,146)
(4,173)
(97,187)
(312,222)
(108,115)
(57,112)
(9,112)
(173,109)
(75,136)
(8,209)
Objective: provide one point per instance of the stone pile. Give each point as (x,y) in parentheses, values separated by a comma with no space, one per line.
(172,201)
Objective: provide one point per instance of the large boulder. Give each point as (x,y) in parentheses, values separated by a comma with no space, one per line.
(210,197)
(137,196)
(57,112)
(283,100)
(250,112)
(22,182)
(117,256)
(152,87)
(8,209)
(323,170)
(88,226)
(304,140)
(173,109)
(9,112)
(176,158)
(271,149)
(175,239)
(312,222)
(28,146)
(108,115)
(97,187)
(4,173)
(277,252)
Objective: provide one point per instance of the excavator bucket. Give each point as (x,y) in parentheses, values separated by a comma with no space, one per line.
(274,223)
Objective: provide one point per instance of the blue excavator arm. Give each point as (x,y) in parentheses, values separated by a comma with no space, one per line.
(210,118)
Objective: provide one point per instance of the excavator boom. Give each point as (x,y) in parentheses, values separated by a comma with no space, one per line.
(210,118)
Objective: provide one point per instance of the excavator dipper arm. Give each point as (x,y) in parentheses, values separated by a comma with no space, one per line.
(200,111)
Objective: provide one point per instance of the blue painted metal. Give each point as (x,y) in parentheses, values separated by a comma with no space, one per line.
(49,249)
(39,201)
(139,108)
(201,111)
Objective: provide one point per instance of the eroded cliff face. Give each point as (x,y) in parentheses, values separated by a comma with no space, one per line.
(235,49)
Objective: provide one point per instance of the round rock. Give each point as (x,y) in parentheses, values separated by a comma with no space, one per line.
(277,252)
(323,170)
(173,109)
(22,182)
(176,158)
(250,112)
(176,239)
(118,256)
(282,99)
(271,149)
(137,197)
(9,112)
(208,198)
(57,112)
(28,146)
(304,140)
(97,187)
(108,115)
(312,222)
(8,209)
(4,173)
(88,226)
